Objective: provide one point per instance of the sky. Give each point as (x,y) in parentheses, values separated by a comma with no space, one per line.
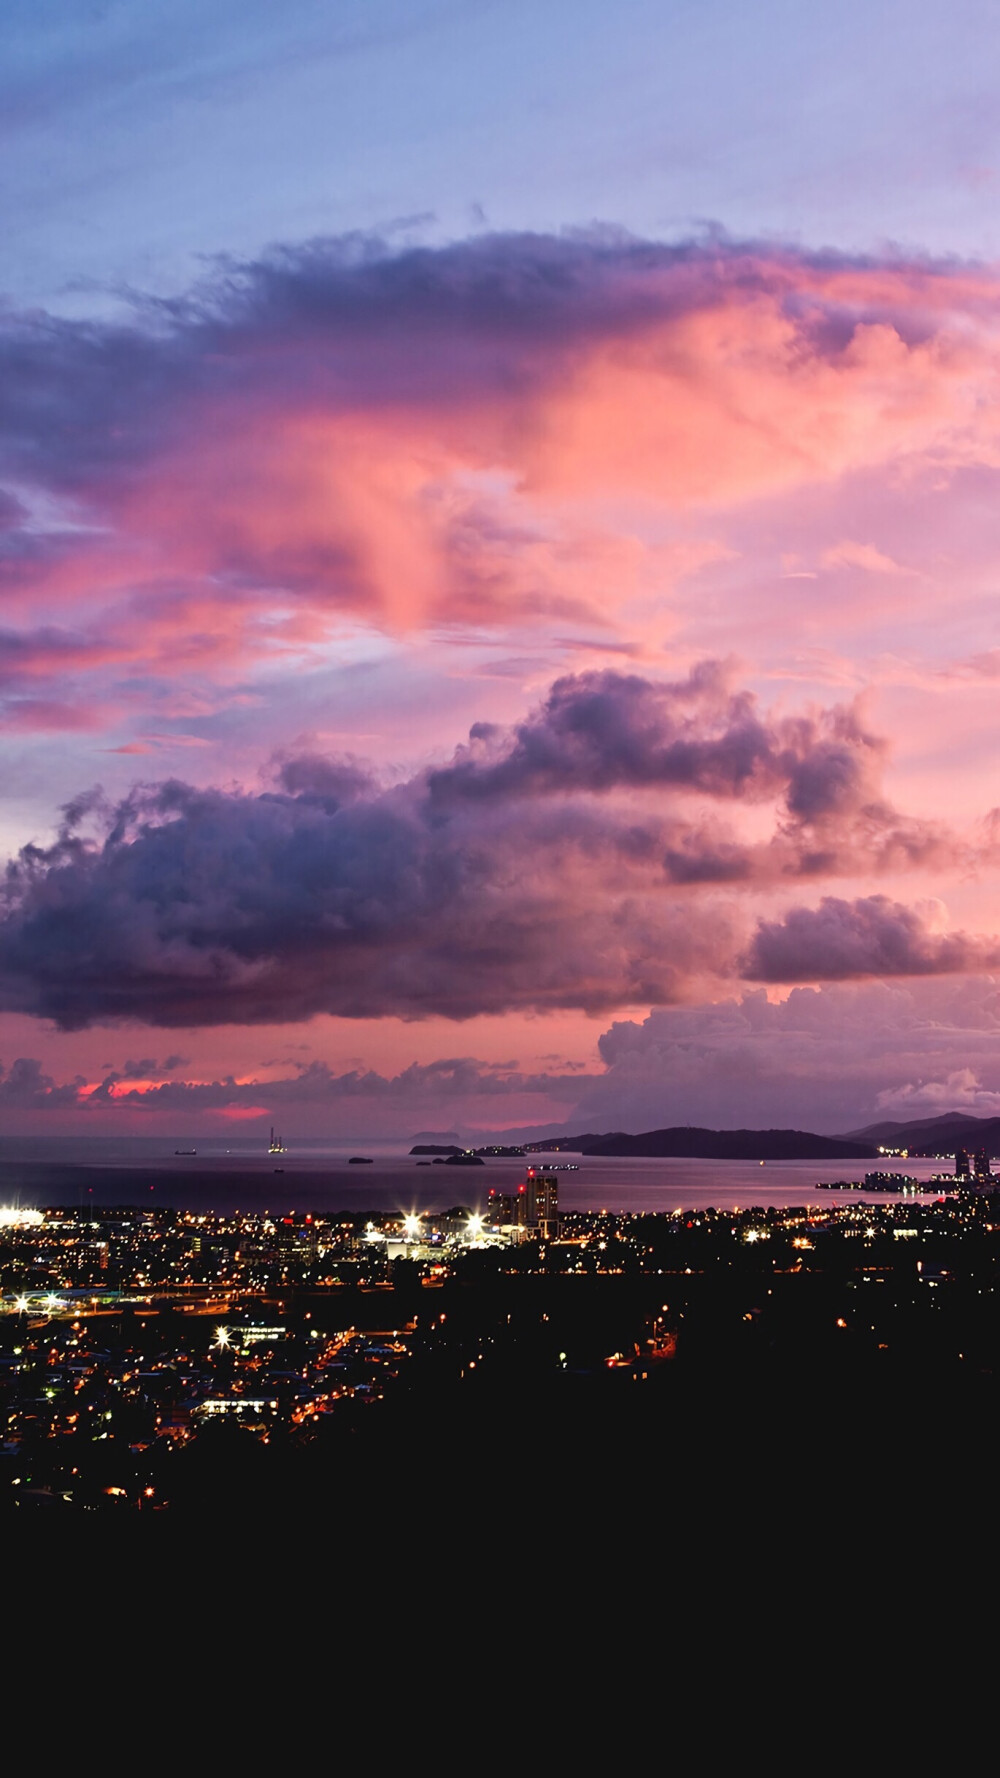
(499,548)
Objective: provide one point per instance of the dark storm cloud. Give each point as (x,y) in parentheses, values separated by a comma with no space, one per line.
(873,936)
(502,881)
(206,907)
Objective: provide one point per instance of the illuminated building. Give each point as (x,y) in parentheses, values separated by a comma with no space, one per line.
(982,1163)
(502,1207)
(538,1203)
(962,1164)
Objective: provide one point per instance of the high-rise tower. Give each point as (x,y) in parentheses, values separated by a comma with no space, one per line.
(538,1202)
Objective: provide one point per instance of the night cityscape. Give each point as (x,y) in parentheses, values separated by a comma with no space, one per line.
(167,1361)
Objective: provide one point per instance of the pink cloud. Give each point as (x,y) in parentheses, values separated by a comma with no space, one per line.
(441,439)
(40,715)
(861,555)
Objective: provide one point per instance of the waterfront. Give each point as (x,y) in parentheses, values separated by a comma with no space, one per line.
(223,1182)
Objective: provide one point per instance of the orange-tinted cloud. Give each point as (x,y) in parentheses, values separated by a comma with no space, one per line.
(440,438)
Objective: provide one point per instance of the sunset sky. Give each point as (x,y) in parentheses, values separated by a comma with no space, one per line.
(500,527)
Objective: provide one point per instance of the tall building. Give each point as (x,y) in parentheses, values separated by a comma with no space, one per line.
(962,1164)
(502,1207)
(983,1168)
(538,1203)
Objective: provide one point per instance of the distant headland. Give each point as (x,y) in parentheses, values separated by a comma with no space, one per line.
(729,1145)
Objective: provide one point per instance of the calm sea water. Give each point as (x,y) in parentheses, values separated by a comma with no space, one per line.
(221,1181)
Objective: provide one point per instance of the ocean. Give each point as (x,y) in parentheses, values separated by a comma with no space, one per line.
(220,1180)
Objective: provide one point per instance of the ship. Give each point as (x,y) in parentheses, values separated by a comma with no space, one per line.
(276,1146)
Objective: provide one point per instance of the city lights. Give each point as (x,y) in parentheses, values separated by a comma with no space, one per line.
(124,1317)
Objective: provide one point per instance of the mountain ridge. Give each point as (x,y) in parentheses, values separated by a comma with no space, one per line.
(693,1142)
(935,1135)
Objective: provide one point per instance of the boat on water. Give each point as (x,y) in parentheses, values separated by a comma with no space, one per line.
(185,1151)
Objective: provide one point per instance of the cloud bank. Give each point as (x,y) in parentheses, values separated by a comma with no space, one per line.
(577,860)
(568,450)
(831,1058)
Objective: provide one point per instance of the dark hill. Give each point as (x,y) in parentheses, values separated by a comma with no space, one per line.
(734,1145)
(569,1144)
(937,1135)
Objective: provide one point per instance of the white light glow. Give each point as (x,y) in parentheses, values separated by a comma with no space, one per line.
(11,1217)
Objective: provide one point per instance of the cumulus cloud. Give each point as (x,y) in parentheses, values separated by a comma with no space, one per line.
(873,936)
(24,1086)
(310,1088)
(145,1068)
(828,1058)
(557,864)
(962,1090)
(602,730)
(211,907)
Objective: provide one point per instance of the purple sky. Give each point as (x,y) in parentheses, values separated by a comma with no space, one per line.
(499,552)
